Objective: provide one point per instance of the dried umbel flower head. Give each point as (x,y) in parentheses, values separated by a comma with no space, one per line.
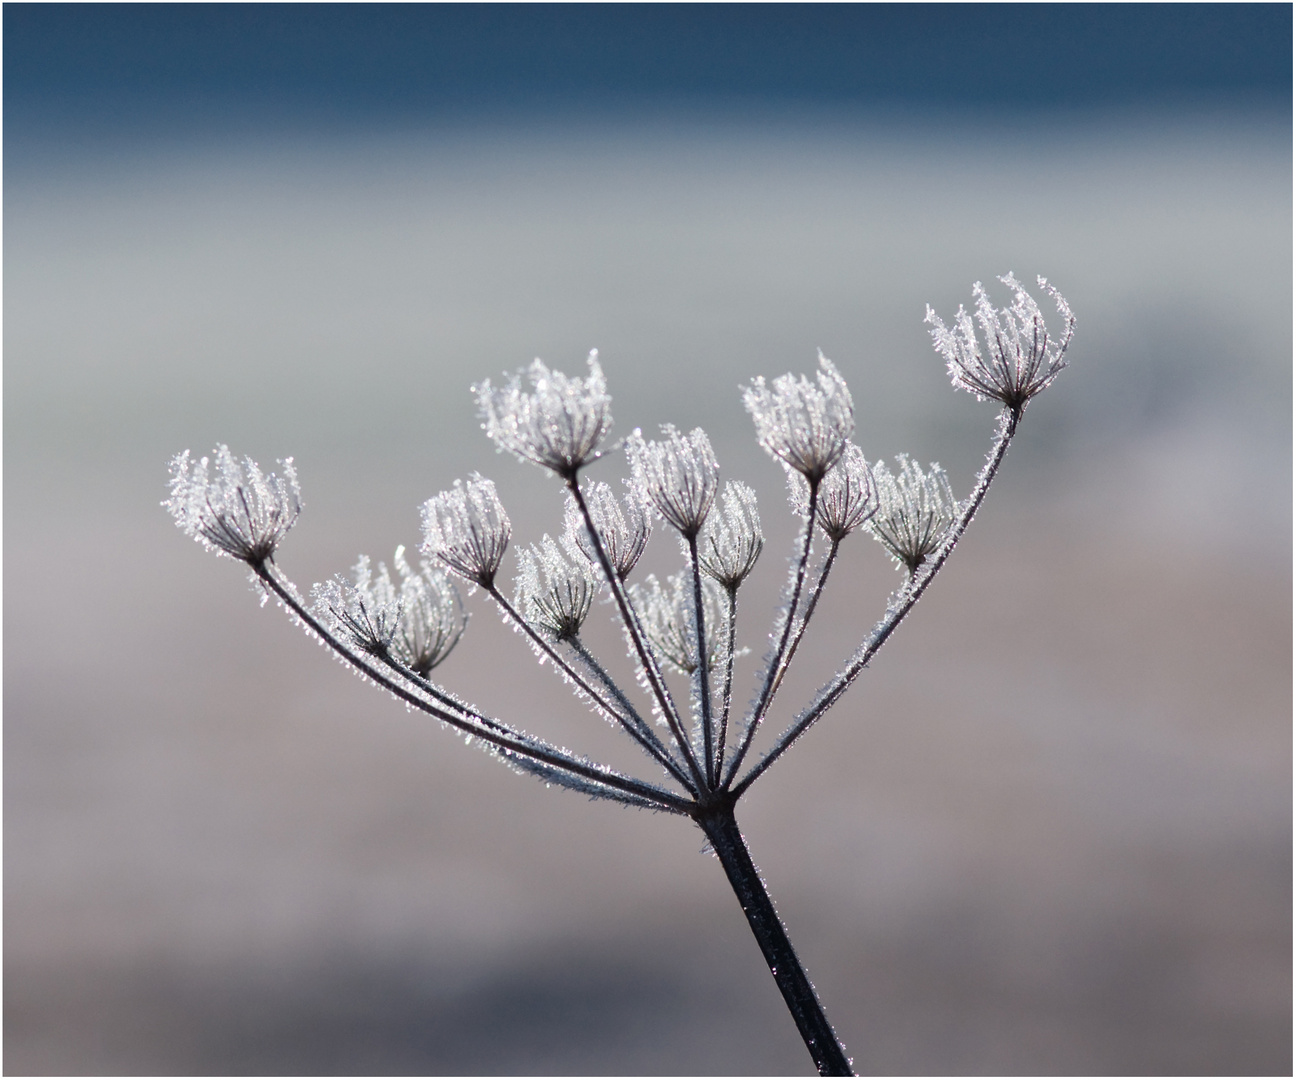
(432,617)
(558,425)
(467,529)
(623,528)
(678,475)
(240,511)
(915,510)
(1016,357)
(847,496)
(732,539)
(803,425)
(366,612)
(555,594)
(668,614)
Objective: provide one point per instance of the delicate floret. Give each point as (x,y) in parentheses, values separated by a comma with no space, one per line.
(240,511)
(915,510)
(1016,357)
(623,528)
(803,425)
(554,593)
(732,540)
(467,529)
(558,425)
(847,496)
(432,619)
(668,613)
(366,611)
(678,475)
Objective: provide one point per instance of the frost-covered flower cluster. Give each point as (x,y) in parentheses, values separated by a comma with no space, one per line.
(559,425)
(681,634)
(803,425)
(1015,357)
(416,624)
(915,510)
(732,539)
(468,530)
(670,619)
(622,526)
(554,593)
(239,511)
(679,475)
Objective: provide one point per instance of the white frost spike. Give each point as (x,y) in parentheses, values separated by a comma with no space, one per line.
(847,496)
(667,615)
(1018,358)
(803,425)
(732,540)
(915,510)
(467,529)
(366,612)
(623,527)
(555,594)
(679,475)
(559,425)
(432,615)
(240,511)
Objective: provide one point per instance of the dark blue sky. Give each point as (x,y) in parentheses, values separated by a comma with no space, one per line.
(133,65)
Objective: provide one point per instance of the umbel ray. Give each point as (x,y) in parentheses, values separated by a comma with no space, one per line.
(396,631)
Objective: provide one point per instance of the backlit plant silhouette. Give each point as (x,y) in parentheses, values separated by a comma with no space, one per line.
(396,633)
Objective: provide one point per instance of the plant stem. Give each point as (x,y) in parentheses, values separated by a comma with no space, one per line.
(722,830)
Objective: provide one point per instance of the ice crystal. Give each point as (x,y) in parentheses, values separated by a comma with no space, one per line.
(366,612)
(679,476)
(432,619)
(668,618)
(553,593)
(559,425)
(240,511)
(467,529)
(732,539)
(623,528)
(1016,356)
(803,425)
(915,510)
(847,496)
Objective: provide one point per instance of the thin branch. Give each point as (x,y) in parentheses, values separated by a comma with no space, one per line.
(637,638)
(513,743)
(703,668)
(901,604)
(731,617)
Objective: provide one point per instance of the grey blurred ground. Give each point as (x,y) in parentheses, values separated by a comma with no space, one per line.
(1048,832)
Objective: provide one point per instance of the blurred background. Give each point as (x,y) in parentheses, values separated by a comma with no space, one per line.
(1049,830)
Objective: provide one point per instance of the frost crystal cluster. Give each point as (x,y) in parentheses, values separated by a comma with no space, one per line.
(681,634)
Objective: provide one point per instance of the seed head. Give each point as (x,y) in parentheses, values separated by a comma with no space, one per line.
(847,496)
(732,539)
(367,612)
(803,425)
(467,530)
(678,475)
(240,511)
(623,528)
(668,614)
(553,593)
(432,619)
(559,425)
(915,510)
(1016,357)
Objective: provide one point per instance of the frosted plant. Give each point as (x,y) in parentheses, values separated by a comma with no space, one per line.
(915,510)
(683,630)
(623,528)
(554,594)
(803,425)
(1016,356)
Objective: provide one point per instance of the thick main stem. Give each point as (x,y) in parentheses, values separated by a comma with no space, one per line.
(802,1002)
